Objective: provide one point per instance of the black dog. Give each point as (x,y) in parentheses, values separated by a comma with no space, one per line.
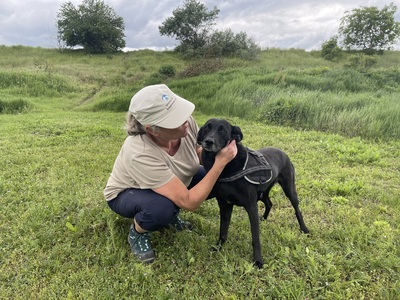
(238,186)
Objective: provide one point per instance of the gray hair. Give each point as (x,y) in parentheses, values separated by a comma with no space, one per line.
(134,127)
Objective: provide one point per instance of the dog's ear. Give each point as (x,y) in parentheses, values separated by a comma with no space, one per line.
(236,134)
(200,135)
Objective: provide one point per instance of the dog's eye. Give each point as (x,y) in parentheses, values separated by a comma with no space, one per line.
(222,131)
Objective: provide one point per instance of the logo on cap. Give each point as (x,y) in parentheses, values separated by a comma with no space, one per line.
(164,97)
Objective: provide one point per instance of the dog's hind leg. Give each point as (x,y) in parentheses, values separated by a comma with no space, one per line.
(289,187)
(267,203)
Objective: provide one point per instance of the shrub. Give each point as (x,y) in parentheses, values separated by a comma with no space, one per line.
(167,70)
(330,50)
(227,44)
(361,62)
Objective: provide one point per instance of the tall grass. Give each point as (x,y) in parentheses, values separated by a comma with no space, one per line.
(339,101)
(33,85)
(14,106)
(284,87)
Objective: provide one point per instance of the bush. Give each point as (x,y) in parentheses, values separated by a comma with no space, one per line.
(361,62)
(330,49)
(222,44)
(167,70)
(226,43)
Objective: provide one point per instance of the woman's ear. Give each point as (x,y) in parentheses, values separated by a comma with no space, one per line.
(150,130)
(236,134)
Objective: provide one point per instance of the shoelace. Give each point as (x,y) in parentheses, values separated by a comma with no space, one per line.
(143,242)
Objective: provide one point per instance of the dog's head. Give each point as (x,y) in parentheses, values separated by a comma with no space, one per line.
(216,133)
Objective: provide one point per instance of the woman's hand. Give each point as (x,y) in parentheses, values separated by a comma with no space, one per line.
(227,153)
(191,199)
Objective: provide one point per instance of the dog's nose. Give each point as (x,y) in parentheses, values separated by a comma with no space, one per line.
(208,143)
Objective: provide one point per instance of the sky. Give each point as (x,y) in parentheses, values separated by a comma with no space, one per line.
(284,24)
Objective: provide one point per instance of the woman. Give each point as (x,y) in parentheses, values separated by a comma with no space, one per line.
(157,171)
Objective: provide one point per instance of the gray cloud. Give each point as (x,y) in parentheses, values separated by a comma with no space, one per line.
(303,24)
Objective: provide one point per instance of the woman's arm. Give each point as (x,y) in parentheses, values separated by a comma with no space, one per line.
(199,149)
(191,199)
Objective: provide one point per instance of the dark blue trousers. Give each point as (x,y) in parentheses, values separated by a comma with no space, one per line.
(151,211)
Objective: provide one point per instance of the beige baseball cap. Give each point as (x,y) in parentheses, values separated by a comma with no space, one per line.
(158,105)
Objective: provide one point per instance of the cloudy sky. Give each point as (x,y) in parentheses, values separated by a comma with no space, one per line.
(303,24)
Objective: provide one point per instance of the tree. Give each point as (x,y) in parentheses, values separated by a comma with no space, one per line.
(190,24)
(370,29)
(330,50)
(227,43)
(92,25)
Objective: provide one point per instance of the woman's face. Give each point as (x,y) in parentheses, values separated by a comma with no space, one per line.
(175,133)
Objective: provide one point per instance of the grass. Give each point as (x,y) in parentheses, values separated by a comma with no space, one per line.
(283,87)
(59,240)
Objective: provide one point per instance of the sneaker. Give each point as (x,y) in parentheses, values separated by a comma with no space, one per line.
(177,224)
(140,245)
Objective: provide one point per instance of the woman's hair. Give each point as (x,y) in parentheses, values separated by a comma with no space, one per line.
(133,126)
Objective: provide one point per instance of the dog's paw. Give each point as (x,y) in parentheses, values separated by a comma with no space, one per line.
(305,230)
(259,264)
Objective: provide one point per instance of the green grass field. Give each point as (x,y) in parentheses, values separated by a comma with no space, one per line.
(61,129)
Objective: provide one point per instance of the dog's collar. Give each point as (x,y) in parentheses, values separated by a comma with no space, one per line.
(256,169)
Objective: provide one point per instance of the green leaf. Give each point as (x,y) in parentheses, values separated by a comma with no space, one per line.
(71,227)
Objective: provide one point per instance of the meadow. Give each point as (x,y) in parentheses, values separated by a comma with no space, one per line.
(62,115)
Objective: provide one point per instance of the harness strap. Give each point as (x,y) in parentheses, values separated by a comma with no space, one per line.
(243,173)
(259,164)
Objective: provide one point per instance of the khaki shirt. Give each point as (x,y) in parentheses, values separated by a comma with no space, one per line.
(142,164)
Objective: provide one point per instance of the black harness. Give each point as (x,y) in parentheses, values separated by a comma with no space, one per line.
(256,170)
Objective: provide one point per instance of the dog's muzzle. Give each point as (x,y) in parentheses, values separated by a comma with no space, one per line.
(209,145)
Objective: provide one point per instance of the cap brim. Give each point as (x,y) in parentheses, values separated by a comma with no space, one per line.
(179,114)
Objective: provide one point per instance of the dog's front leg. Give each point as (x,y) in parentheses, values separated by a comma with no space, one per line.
(225,211)
(252,210)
